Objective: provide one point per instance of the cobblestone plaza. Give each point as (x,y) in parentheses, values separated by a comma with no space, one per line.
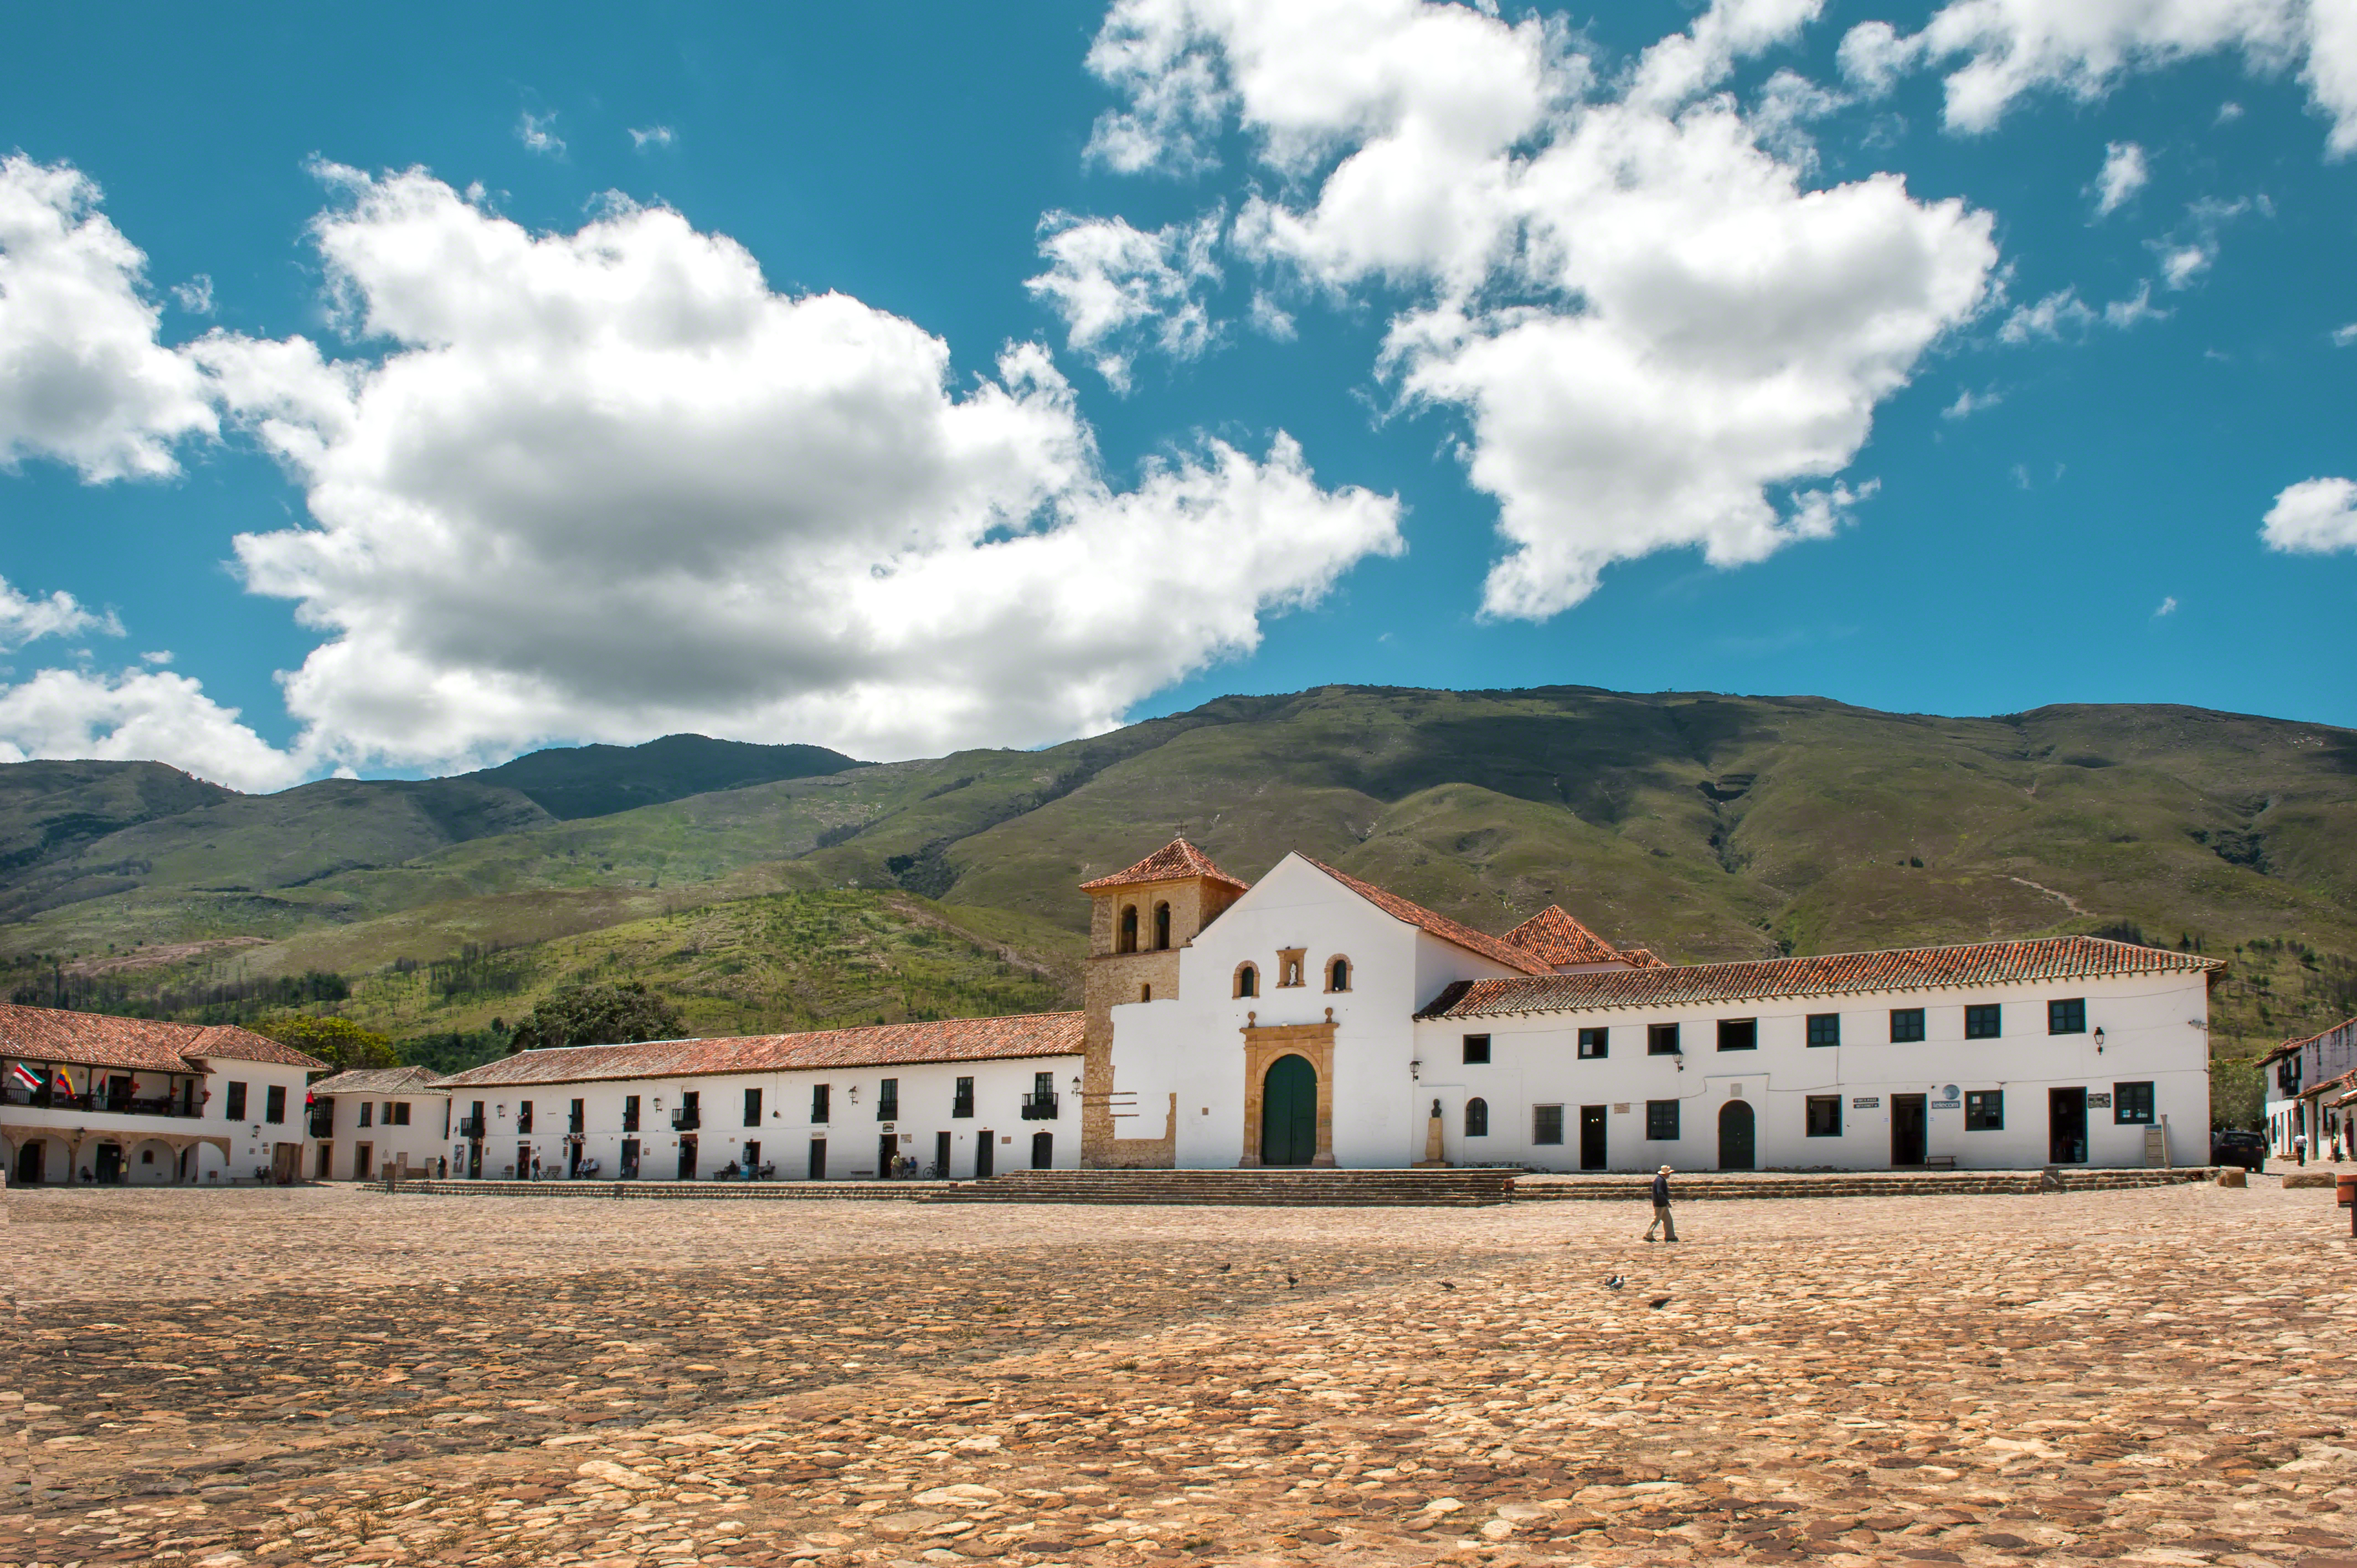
(330,1375)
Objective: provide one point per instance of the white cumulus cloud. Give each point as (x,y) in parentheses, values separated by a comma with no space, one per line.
(2001,50)
(84,381)
(607,484)
(2123,175)
(641,138)
(2313,518)
(1661,336)
(140,715)
(1121,290)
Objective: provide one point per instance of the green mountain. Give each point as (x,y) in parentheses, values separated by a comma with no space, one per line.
(1703,826)
(599,780)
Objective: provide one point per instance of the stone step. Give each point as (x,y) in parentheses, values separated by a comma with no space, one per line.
(1469,1188)
(1860,1184)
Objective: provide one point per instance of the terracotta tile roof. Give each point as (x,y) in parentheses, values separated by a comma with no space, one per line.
(1556,938)
(379,1080)
(1908,969)
(141,1045)
(1641,958)
(1172,862)
(1440,926)
(878,1045)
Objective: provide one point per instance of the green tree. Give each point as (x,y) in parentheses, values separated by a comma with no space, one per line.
(338,1042)
(602,1015)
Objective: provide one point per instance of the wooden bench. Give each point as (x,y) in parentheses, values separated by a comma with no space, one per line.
(1940,1162)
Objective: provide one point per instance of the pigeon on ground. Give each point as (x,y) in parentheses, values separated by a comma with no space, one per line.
(1615,1282)
(1225,1267)
(1446,1286)
(1659,1302)
(1292,1280)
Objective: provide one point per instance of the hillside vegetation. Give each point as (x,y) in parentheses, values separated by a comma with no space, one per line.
(1702,826)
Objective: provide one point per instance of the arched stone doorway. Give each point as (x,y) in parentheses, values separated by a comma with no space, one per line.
(1289,1118)
(1737,1149)
(1043,1151)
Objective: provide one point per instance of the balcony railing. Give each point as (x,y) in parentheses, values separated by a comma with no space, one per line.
(323,1122)
(888,1110)
(1040,1107)
(686,1121)
(99,1100)
(470,1127)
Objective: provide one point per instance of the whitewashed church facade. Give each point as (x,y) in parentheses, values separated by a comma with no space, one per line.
(1312,1019)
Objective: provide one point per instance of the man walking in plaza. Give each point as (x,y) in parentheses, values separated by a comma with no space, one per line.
(1662,1220)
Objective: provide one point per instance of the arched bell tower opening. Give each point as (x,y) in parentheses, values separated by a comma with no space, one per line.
(1140,921)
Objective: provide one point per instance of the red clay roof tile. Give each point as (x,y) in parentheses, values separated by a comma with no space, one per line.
(877,1045)
(1171,863)
(101,1039)
(1556,938)
(1441,926)
(1909,969)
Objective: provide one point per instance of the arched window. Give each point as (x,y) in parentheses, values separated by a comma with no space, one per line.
(1477,1118)
(1338,975)
(1161,926)
(1247,980)
(1128,929)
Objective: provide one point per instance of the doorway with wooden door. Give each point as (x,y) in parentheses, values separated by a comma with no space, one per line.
(687,1156)
(888,1155)
(985,1155)
(1592,1154)
(1909,1128)
(2066,1126)
(941,1171)
(1288,1113)
(1738,1137)
(1043,1151)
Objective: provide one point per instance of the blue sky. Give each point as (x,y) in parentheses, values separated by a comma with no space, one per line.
(907,380)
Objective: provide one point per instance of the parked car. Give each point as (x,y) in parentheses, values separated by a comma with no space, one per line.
(2238,1148)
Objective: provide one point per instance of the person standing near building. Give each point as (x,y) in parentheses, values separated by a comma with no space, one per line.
(1662,1220)
(2299,1146)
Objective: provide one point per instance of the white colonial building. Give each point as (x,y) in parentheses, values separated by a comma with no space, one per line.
(959,1097)
(370,1122)
(2306,1082)
(85,1097)
(1313,1019)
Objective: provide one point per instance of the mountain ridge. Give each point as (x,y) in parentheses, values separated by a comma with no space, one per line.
(1701,826)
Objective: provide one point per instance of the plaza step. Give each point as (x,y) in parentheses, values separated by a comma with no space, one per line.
(1706,1185)
(1480,1187)
(1289,1188)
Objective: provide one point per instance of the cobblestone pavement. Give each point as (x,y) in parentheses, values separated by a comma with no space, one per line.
(331,1376)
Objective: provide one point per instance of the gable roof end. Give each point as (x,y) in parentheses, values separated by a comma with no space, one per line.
(1554,938)
(1174,862)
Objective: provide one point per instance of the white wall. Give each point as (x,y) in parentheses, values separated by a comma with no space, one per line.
(422,1139)
(1535,1061)
(852,1130)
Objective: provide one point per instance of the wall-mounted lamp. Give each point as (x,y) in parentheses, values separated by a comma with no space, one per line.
(854,1095)
(1076,1083)
(2099,1039)
(1415,1069)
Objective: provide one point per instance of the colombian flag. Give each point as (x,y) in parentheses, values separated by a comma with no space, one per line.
(61,1080)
